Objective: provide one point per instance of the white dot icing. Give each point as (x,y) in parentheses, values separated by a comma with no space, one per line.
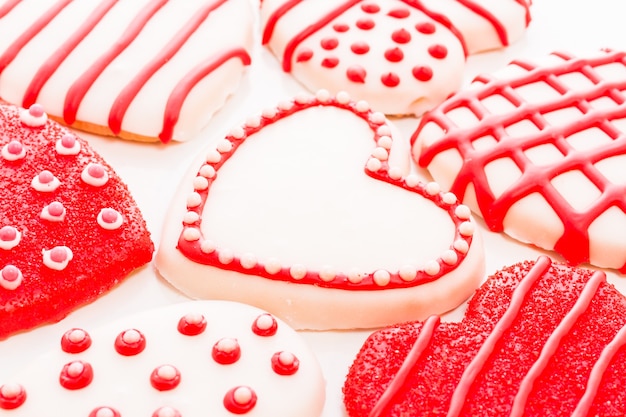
(54,264)
(194,200)
(355,276)
(322,96)
(461,246)
(191,217)
(242,395)
(297,271)
(362,106)
(432,268)
(385,141)
(45,182)
(191,234)
(67,145)
(207,171)
(374,164)
(110,219)
(343,97)
(377,118)
(408,273)
(200,183)
(302,98)
(10,277)
(395,173)
(433,188)
(450,257)
(449,198)
(272,266)
(380,153)
(224,145)
(248,261)
(96,181)
(285,105)
(382,277)
(268,113)
(49,212)
(13,151)
(9,237)
(462,212)
(207,246)
(33,116)
(253,121)
(327,274)
(213,156)
(384,130)
(225,256)
(466,228)
(412,180)
(238,132)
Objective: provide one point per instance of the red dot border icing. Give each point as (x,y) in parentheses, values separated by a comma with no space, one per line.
(196,247)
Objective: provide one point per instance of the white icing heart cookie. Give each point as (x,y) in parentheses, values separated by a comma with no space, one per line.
(307,211)
(199,358)
(144,70)
(538,150)
(402,56)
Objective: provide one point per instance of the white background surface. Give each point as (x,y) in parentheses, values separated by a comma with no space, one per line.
(152,173)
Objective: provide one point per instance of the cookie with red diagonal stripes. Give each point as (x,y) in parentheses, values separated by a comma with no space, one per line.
(538,151)
(401,56)
(537,339)
(69,228)
(144,70)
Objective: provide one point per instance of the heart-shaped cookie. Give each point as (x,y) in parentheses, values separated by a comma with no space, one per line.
(537,339)
(402,56)
(307,211)
(145,70)
(69,228)
(198,358)
(538,150)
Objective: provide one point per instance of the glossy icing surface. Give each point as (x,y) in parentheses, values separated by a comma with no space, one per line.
(273,374)
(125,68)
(403,57)
(340,183)
(537,150)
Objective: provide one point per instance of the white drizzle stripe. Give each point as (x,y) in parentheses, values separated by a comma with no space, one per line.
(595,377)
(553,342)
(421,343)
(475,366)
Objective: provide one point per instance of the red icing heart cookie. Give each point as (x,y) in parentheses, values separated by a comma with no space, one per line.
(538,151)
(307,211)
(145,70)
(199,358)
(69,228)
(402,56)
(537,339)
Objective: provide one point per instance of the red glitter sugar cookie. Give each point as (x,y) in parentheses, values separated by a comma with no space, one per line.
(144,70)
(308,212)
(537,339)
(402,56)
(69,228)
(199,358)
(538,150)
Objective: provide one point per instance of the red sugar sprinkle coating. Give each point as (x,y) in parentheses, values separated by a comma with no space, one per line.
(102,258)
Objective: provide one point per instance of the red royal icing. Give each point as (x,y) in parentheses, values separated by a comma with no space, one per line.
(226,351)
(422,73)
(12,396)
(360,48)
(356,74)
(76,375)
(394,54)
(401,36)
(192,324)
(130,342)
(240,400)
(75,341)
(265,325)
(365,24)
(574,243)
(104,411)
(390,79)
(165,378)
(370,8)
(285,363)
(330,62)
(329,43)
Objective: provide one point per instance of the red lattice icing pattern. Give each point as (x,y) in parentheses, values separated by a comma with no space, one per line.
(574,243)
(195,246)
(507,357)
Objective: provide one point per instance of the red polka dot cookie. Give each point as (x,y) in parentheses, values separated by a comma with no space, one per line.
(309,212)
(402,56)
(214,358)
(537,339)
(69,228)
(148,70)
(538,151)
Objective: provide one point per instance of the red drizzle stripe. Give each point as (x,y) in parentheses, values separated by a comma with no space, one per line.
(441,19)
(52,63)
(268,31)
(79,88)
(552,344)
(11,52)
(487,15)
(510,315)
(125,98)
(421,343)
(8,6)
(595,377)
(525,4)
(311,29)
(184,86)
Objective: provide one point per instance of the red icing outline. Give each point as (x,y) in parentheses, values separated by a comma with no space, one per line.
(192,249)
(574,243)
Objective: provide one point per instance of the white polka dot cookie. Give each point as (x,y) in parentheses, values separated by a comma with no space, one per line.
(538,151)
(308,211)
(69,228)
(145,70)
(198,358)
(402,56)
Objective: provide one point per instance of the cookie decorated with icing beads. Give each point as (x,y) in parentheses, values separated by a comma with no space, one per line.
(402,56)
(69,227)
(308,211)
(147,70)
(538,338)
(538,151)
(196,358)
